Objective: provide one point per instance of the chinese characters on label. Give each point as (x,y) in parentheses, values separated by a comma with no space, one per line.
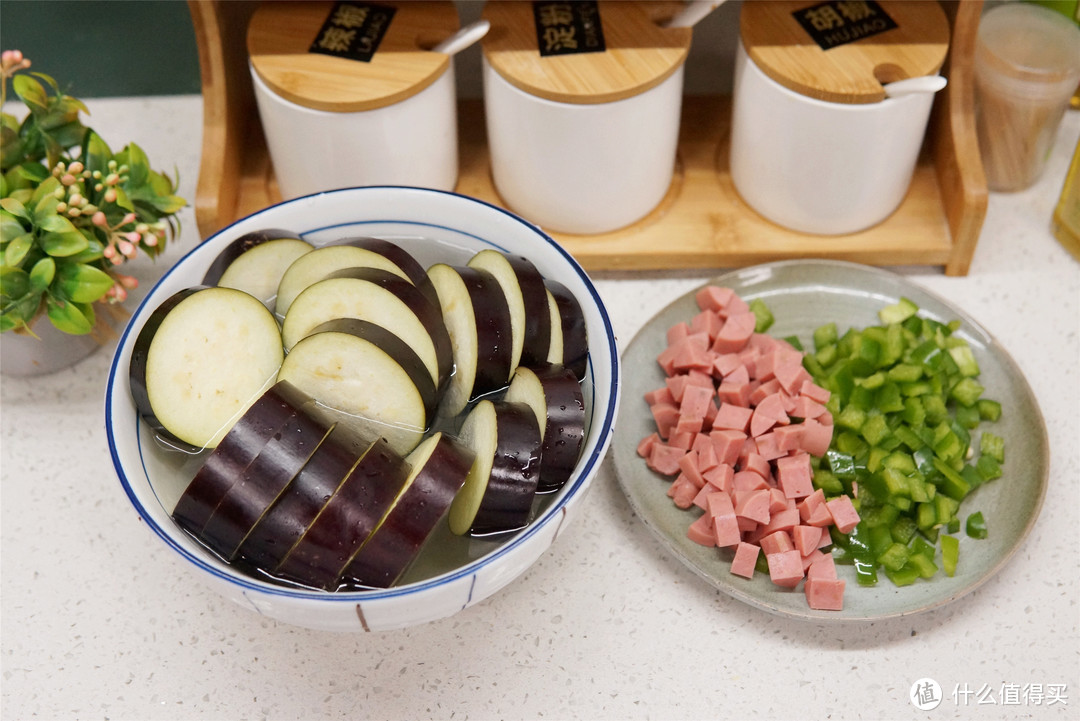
(839,22)
(926,694)
(353,30)
(567,27)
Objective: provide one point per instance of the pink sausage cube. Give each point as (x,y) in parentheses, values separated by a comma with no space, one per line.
(843,513)
(777,500)
(825,594)
(746,525)
(714,297)
(792,375)
(768,446)
(726,363)
(677,332)
(789,438)
(785,569)
(645,445)
(814,557)
(753,504)
(735,393)
(745,560)
(745,481)
(695,401)
(816,436)
(682,439)
(806,538)
(740,376)
(666,416)
(814,392)
(763,391)
(726,532)
(822,569)
(728,444)
(660,395)
(701,499)
(688,464)
(735,333)
(732,417)
(689,424)
(782,521)
(778,542)
(682,492)
(706,453)
(807,505)
(665,459)
(707,322)
(700,531)
(793,475)
(722,476)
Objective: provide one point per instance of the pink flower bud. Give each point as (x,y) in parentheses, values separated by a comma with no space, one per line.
(68,179)
(121,294)
(129,218)
(109,252)
(111,292)
(77,167)
(116,259)
(150,239)
(110,195)
(133,236)
(99,220)
(125,247)
(11,57)
(76,199)
(128,281)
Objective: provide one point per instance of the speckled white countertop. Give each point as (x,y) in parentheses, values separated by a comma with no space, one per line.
(100,622)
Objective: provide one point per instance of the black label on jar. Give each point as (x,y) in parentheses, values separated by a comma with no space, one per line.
(839,22)
(353,30)
(568,27)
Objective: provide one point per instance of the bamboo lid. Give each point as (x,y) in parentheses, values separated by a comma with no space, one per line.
(568,53)
(842,52)
(349,56)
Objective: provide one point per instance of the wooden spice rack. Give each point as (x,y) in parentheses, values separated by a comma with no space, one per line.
(701,222)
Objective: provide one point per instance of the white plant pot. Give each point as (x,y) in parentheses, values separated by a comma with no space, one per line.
(52,351)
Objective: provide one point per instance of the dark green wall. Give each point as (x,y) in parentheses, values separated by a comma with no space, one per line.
(106,48)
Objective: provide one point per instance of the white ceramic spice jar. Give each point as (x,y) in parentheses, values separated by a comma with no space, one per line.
(582,102)
(817,144)
(350,93)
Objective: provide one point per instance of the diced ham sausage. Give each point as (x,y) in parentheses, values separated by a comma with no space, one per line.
(737,422)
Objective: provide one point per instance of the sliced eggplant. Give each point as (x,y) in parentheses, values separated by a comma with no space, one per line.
(240,446)
(477,318)
(368,373)
(241,245)
(526,298)
(294,511)
(439,467)
(499,490)
(320,556)
(400,257)
(570,346)
(321,262)
(202,358)
(264,480)
(554,395)
(378,297)
(259,270)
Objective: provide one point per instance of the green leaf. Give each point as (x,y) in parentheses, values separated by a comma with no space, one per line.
(16,250)
(96,153)
(94,251)
(55,223)
(16,208)
(61,245)
(30,91)
(10,227)
(42,274)
(124,200)
(14,283)
(70,317)
(83,283)
(169,204)
(138,166)
(46,189)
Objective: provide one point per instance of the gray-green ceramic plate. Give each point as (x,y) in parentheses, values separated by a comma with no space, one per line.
(802,295)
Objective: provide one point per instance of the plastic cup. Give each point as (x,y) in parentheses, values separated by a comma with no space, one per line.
(1027,66)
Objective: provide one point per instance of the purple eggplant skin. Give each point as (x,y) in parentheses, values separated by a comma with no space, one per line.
(263,481)
(515,472)
(294,511)
(394,545)
(238,448)
(140,351)
(347,520)
(238,247)
(565,430)
(394,347)
(575,332)
(493,334)
(537,314)
(430,315)
(400,257)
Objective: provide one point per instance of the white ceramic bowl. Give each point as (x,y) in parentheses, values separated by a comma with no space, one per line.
(434,226)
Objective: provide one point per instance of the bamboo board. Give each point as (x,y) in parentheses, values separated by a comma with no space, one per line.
(701,223)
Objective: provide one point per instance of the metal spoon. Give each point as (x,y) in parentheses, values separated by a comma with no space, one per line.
(463,38)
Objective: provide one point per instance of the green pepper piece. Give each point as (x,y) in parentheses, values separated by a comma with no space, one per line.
(762,314)
(966,392)
(965,360)
(865,570)
(905,373)
(828,482)
(976,525)
(898,312)
(825,335)
(950,554)
(904,576)
(914,412)
(826,356)
(903,529)
(920,546)
(842,465)
(988,410)
(968,417)
(875,430)
(894,557)
(988,467)
(992,445)
(923,565)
